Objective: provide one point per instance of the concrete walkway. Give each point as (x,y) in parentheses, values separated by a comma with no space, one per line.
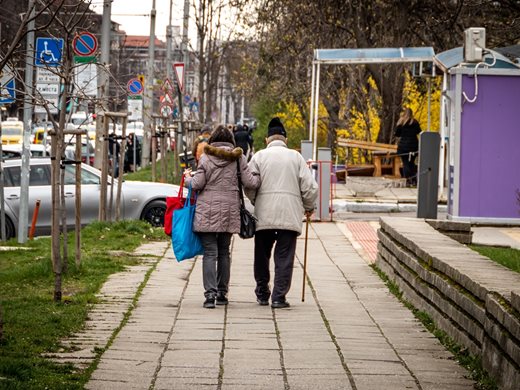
(350,333)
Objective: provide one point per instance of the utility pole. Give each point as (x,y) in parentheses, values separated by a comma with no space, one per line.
(103,82)
(182,134)
(169,43)
(23,217)
(184,46)
(148,92)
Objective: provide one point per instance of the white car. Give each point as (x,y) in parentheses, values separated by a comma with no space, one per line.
(139,200)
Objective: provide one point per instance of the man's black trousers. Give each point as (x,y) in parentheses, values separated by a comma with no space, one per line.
(284,242)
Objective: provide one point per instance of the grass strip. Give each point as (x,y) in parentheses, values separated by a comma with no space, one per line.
(508,257)
(33,323)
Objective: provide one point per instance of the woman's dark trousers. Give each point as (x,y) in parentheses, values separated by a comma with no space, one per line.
(216,263)
(284,251)
(409,168)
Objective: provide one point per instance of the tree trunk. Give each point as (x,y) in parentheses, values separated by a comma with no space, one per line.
(390,81)
(64,230)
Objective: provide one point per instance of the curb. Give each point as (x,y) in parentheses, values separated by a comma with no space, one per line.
(386,207)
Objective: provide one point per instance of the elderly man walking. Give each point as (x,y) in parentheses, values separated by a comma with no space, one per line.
(287,193)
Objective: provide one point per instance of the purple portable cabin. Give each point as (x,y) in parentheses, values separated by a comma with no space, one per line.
(481,129)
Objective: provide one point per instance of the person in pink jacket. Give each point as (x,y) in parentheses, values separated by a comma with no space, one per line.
(217,215)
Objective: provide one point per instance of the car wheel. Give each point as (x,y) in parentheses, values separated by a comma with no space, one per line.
(153,213)
(9,229)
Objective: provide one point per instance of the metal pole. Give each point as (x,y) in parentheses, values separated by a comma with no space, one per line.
(23,217)
(316,113)
(311,110)
(103,81)
(169,43)
(148,92)
(429,103)
(184,45)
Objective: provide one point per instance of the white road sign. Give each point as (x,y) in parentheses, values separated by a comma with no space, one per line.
(86,79)
(48,89)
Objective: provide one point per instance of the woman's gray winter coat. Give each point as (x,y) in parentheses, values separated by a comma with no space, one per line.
(218,202)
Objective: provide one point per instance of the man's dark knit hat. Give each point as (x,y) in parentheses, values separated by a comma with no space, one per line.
(275,126)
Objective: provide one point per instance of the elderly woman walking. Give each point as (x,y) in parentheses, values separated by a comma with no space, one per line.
(217,215)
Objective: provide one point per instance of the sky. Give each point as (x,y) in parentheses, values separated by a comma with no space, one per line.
(134,15)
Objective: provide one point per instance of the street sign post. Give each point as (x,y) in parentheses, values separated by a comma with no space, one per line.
(86,78)
(48,51)
(48,87)
(7,86)
(84,44)
(178,67)
(134,87)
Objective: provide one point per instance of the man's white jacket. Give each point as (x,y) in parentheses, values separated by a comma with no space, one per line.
(287,188)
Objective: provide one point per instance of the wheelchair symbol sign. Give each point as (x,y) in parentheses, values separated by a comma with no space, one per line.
(48,51)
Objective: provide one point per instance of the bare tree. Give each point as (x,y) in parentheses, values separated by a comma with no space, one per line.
(288,31)
(212,45)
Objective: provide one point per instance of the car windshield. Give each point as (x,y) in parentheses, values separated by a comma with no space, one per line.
(11,130)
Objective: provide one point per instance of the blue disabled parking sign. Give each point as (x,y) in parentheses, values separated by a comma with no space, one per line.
(48,51)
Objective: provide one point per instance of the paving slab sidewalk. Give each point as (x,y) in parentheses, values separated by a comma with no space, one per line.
(350,333)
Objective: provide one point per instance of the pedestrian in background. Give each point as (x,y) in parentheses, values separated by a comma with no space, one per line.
(200,142)
(287,193)
(217,215)
(242,139)
(133,148)
(407,130)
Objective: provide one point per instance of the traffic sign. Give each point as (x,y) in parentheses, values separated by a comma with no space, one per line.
(166,100)
(167,86)
(84,44)
(8,93)
(48,51)
(178,67)
(166,110)
(7,86)
(47,90)
(134,87)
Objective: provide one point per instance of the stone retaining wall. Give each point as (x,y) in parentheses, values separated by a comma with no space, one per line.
(474,300)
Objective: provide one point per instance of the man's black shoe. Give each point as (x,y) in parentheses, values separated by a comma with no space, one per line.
(280,304)
(209,303)
(262,302)
(221,299)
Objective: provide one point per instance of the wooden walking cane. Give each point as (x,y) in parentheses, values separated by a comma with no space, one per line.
(305,257)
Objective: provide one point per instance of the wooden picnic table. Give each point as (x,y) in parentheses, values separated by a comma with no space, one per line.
(380,153)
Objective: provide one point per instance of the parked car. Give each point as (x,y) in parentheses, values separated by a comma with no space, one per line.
(16,151)
(139,200)
(11,151)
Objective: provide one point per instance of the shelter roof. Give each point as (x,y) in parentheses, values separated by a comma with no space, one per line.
(511,52)
(455,57)
(375,55)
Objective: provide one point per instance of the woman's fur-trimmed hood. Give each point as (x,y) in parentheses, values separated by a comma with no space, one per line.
(223,151)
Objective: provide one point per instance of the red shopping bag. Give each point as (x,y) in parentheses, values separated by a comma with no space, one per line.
(173,203)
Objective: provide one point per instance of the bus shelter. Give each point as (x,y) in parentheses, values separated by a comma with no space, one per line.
(419,55)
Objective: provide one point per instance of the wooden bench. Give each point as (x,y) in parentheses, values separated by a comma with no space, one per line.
(380,152)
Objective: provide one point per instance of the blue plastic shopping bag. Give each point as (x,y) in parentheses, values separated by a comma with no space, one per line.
(185,242)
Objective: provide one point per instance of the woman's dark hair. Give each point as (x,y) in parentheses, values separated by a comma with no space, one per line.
(222,134)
